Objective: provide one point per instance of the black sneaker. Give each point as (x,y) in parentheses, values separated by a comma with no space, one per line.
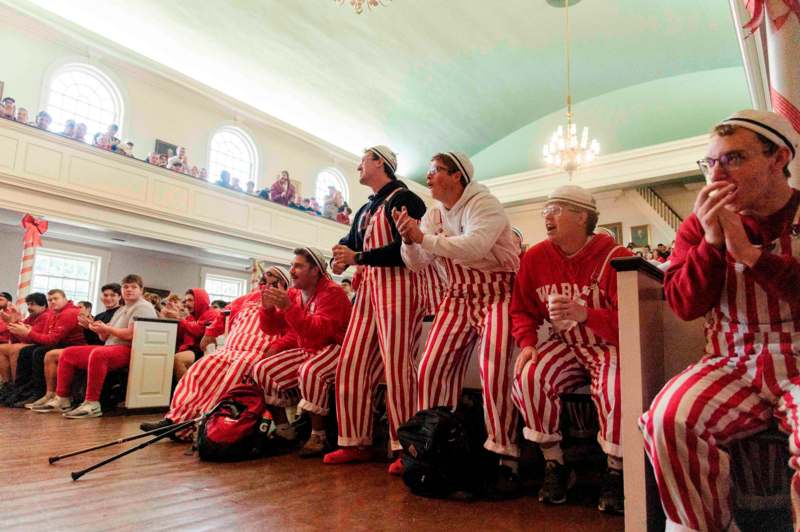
(6,389)
(505,485)
(612,497)
(558,479)
(150,426)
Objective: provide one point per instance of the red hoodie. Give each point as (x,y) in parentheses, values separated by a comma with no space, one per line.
(321,321)
(192,327)
(61,328)
(37,322)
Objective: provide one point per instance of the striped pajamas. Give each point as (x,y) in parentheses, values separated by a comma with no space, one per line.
(381,341)
(213,375)
(748,377)
(563,368)
(475,309)
(287,376)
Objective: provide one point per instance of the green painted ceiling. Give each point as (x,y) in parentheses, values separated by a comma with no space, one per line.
(485,77)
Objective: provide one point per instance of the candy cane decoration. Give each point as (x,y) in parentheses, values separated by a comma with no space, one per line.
(32,239)
(255,274)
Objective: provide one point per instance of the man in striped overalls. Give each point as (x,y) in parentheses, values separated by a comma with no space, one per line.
(213,375)
(566,280)
(383,334)
(468,233)
(736,261)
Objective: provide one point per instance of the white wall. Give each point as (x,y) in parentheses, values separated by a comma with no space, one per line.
(158,270)
(158,108)
(615,206)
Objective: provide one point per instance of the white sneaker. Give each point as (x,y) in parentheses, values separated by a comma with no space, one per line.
(85,410)
(40,401)
(56,404)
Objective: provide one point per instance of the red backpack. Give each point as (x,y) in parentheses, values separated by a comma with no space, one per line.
(236,429)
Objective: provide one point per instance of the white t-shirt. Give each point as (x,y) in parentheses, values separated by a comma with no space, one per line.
(124,317)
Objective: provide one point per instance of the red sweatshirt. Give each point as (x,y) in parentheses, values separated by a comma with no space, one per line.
(696,275)
(192,327)
(37,322)
(61,328)
(545,270)
(321,321)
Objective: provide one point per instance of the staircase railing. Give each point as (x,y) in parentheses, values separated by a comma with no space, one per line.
(660,206)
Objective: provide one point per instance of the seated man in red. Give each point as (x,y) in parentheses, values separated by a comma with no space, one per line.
(36,320)
(191,329)
(99,360)
(60,329)
(6,304)
(314,313)
(214,374)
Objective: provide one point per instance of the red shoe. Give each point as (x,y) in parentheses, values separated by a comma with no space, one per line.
(348,455)
(396,467)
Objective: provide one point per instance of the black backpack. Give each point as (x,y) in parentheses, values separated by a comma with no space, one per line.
(236,428)
(437,454)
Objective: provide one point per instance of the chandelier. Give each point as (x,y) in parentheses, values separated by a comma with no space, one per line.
(358,5)
(565,150)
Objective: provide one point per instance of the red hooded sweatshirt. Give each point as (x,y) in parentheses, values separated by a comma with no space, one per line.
(319,322)
(192,327)
(61,328)
(37,322)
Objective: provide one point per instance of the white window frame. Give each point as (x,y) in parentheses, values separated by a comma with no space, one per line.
(215,276)
(104,80)
(95,265)
(250,147)
(340,181)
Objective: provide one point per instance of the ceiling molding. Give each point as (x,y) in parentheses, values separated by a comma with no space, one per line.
(753,57)
(626,169)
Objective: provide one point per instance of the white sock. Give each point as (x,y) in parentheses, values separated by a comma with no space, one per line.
(63,400)
(553,453)
(318,433)
(614,462)
(512,463)
(93,404)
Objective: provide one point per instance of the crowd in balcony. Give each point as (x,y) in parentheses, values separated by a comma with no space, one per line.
(282,191)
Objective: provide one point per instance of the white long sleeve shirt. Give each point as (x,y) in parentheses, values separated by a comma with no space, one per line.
(475,233)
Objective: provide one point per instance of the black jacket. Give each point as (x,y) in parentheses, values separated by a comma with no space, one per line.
(387,255)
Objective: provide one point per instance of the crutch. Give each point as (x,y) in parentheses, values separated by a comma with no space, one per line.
(154,432)
(167,432)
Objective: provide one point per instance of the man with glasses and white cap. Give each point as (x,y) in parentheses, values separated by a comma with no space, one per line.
(567,280)
(736,261)
(383,334)
(214,374)
(469,234)
(313,316)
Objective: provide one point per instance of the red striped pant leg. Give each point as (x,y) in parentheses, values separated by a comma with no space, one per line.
(444,361)
(398,315)
(602,364)
(354,379)
(788,406)
(708,404)
(240,365)
(203,377)
(538,386)
(315,376)
(277,376)
(495,365)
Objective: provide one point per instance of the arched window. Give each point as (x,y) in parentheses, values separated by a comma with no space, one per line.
(330,177)
(83,93)
(233,150)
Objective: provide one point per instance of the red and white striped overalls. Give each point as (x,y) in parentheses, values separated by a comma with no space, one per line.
(749,375)
(382,339)
(475,308)
(214,374)
(567,361)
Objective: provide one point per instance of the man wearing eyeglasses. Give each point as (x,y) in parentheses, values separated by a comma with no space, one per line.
(468,234)
(566,280)
(736,261)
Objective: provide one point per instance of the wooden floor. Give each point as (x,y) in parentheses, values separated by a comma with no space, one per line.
(162,487)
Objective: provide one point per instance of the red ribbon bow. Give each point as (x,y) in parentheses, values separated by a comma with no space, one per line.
(34,229)
(758,9)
